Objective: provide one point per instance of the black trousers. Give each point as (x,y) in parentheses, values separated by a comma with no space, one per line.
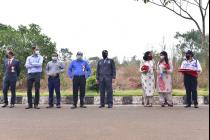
(79,84)
(54,84)
(190,83)
(9,83)
(33,79)
(105,86)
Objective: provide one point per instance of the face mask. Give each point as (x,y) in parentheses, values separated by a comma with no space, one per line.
(150,57)
(37,52)
(54,58)
(187,57)
(162,57)
(79,57)
(104,55)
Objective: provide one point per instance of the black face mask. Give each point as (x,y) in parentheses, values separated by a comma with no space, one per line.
(105,55)
(150,57)
(7,56)
(187,57)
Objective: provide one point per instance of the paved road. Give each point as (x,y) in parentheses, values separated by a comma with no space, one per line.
(119,123)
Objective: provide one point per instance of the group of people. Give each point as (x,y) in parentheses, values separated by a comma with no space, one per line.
(79,71)
(190,68)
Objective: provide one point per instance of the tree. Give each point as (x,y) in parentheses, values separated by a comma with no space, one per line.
(183,8)
(65,54)
(191,41)
(20,41)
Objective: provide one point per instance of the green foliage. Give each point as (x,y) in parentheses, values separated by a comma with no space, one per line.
(20,41)
(191,40)
(91,82)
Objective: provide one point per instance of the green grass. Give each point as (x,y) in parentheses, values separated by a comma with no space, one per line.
(176,92)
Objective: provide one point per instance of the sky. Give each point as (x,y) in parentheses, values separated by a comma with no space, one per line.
(123,27)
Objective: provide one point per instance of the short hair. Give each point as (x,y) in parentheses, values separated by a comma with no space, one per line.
(190,53)
(55,54)
(10,52)
(79,53)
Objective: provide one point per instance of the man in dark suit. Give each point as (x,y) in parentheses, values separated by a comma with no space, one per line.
(106,75)
(11,70)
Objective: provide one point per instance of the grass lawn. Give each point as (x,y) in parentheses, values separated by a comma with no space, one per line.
(176,92)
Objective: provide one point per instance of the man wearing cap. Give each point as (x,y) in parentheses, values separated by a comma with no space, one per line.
(190,79)
(79,70)
(53,70)
(105,76)
(34,69)
(11,68)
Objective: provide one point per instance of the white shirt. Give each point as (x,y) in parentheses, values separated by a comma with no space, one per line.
(192,65)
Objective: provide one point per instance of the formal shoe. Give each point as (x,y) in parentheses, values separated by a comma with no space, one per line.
(36,107)
(5,105)
(163,105)
(101,106)
(196,106)
(58,106)
(29,107)
(187,106)
(12,106)
(50,106)
(83,106)
(110,106)
(170,105)
(74,107)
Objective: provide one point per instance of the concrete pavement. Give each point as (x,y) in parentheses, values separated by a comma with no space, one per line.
(119,123)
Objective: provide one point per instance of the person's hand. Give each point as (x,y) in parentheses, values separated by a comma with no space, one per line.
(97,82)
(113,80)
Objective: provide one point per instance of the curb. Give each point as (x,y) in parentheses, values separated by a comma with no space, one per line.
(117,100)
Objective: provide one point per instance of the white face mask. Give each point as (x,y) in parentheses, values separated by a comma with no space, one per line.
(37,52)
(162,57)
(54,58)
(79,57)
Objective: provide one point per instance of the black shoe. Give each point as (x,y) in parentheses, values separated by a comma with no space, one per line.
(170,105)
(12,106)
(50,106)
(196,106)
(83,106)
(101,106)
(163,105)
(58,106)
(5,105)
(110,106)
(187,106)
(36,107)
(29,107)
(74,107)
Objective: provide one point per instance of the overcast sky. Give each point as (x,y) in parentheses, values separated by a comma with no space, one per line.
(123,27)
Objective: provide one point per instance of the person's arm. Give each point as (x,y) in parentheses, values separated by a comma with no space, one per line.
(88,69)
(171,67)
(47,69)
(182,65)
(28,64)
(18,69)
(199,68)
(97,71)
(38,64)
(113,70)
(70,70)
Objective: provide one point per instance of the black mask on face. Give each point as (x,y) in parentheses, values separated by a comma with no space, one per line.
(187,57)
(104,54)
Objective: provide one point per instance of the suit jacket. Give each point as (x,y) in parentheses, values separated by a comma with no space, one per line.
(11,71)
(106,69)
